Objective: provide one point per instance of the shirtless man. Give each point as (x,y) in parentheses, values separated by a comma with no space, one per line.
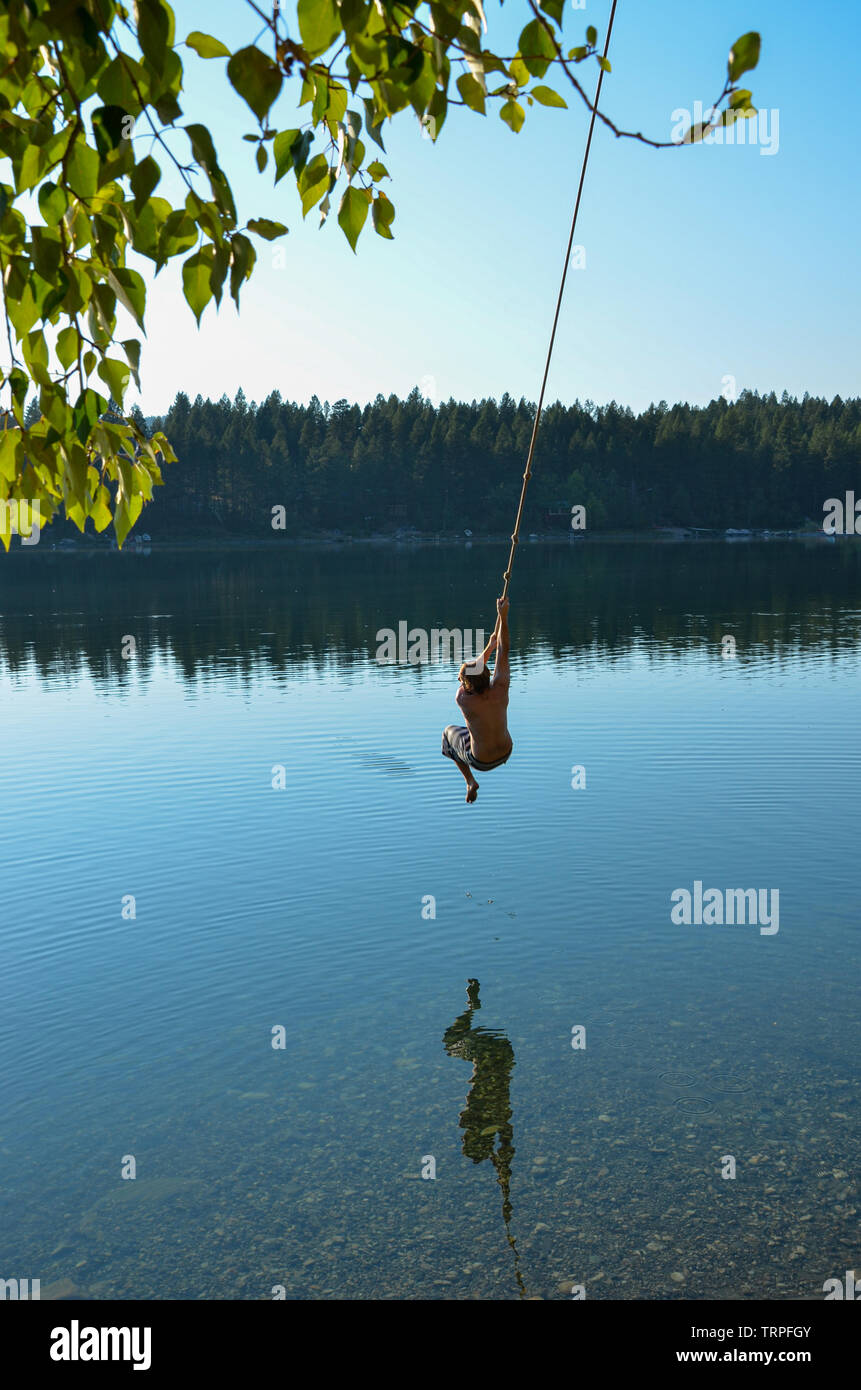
(485,742)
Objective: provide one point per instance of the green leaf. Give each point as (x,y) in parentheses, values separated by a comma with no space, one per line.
(355,155)
(46,252)
(125,490)
(36,356)
(546,96)
(423,87)
(337,103)
(159,441)
(262,157)
(537,49)
(202,147)
(67,345)
(206,46)
(263,227)
(135,506)
(144,178)
(52,203)
(383,216)
(18,384)
(155,28)
(32,167)
(88,407)
(471,91)
(132,349)
(242,263)
(22,309)
(52,301)
(122,525)
(744,55)
(176,232)
(100,509)
(313,182)
(282,152)
(373,124)
(352,214)
(321,98)
(519,72)
(167,108)
(591,35)
(82,169)
(196,280)
(204,152)
(301,149)
(319,24)
(10,441)
(354,73)
(102,314)
(120,83)
(115,375)
(256,78)
(220,267)
(741,100)
(513,114)
(110,132)
(553,8)
(130,290)
(143,479)
(605,64)
(378,171)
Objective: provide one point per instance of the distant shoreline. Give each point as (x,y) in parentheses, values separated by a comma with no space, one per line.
(333,541)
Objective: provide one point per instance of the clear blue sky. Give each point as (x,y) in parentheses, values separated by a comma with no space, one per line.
(701,263)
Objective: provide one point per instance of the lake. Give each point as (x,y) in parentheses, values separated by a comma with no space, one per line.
(357,1039)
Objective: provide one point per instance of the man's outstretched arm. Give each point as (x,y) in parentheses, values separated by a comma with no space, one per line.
(501,669)
(481,661)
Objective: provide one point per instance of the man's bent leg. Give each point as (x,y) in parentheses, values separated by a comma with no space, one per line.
(454,742)
(471,784)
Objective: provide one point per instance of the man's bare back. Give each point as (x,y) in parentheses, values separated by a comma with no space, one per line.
(485,743)
(485,717)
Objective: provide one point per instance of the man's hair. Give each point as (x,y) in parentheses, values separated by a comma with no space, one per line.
(475,681)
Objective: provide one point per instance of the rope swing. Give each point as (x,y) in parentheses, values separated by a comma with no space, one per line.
(528,473)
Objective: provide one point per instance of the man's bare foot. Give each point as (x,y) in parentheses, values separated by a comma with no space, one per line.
(471,791)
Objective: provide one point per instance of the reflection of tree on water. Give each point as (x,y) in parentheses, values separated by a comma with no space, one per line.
(488,1105)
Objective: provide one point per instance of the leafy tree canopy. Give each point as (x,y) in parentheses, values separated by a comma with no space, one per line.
(90,120)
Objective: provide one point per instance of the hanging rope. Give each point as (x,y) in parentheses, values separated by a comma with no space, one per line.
(528,473)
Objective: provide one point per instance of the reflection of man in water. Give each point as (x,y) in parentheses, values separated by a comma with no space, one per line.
(488,1105)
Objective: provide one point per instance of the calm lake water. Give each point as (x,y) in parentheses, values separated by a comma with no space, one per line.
(415,1041)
